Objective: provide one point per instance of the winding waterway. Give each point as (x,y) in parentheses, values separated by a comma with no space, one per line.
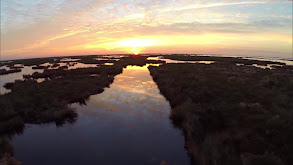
(126,124)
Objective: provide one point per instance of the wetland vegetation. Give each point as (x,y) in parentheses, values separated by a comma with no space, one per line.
(229,113)
(47,101)
(32,102)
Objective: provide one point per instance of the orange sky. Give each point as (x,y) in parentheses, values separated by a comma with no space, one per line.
(49,28)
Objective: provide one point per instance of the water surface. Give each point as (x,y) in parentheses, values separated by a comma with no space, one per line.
(126,124)
(15,76)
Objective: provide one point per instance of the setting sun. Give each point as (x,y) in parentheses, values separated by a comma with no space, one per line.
(134,50)
(134,46)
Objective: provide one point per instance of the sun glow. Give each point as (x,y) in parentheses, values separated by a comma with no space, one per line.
(136,46)
(152,28)
(203,42)
(138,43)
(135,51)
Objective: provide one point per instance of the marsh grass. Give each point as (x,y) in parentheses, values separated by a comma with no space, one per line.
(33,102)
(7,151)
(225,110)
(229,114)
(39,67)
(4,71)
(225,60)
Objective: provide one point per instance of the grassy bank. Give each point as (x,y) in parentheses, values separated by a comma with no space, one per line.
(4,71)
(33,102)
(230,115)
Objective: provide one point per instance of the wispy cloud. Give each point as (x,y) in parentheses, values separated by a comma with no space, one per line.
(36,26)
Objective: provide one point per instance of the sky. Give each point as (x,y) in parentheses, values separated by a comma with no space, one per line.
(39,28)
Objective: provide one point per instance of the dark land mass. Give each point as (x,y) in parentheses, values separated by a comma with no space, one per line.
(4,71)
(37,103)
(225,60)
(47,101)
(230,115)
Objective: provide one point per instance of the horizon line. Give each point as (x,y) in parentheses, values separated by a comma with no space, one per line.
(206,54)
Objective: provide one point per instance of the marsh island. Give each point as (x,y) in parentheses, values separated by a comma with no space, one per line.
(146,109)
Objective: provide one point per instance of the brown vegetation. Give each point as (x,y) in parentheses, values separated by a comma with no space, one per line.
(231,114)
(4,71)
(33,102)
(224,60)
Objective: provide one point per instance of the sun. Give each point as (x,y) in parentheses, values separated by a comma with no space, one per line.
(135,45)
(135,51)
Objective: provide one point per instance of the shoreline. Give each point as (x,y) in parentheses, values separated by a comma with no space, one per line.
(208,101)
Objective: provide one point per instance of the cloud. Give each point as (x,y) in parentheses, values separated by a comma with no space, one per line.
(31,25)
